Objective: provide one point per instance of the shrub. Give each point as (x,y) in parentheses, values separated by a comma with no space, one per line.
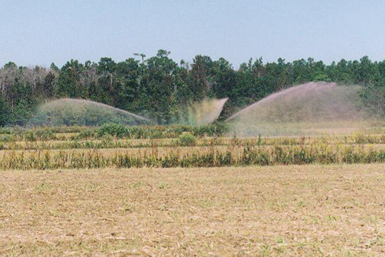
(7,138)
(45,134)
(187,139)
(30,136)
(112,129)
(86,134)
(216,129)
(107,140)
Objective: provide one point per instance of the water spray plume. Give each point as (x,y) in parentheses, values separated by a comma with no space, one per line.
(300,109)
(68,111)
(204,112)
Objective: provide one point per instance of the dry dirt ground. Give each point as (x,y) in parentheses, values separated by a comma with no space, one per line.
(247,211)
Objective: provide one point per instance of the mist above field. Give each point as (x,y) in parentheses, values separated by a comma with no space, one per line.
(201,113)
(308,108)
(71,112)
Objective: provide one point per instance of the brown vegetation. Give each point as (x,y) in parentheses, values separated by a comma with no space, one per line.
(259,211)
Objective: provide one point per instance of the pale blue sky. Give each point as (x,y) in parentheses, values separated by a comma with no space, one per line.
(44,31)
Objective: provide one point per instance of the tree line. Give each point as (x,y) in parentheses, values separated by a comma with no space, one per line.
(160,88)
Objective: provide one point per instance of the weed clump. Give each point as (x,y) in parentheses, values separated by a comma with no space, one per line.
(111,129)
(187,139)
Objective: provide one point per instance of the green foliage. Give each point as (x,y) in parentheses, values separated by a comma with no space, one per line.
(153,132)
(3,112)
(21,113)
(68,84)
(86,134)
(374,98)
(216,129)
(45,134)
(187,139)
(160,88)
(112,129)
(30,136)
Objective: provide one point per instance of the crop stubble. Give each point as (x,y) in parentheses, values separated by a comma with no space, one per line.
(279,210)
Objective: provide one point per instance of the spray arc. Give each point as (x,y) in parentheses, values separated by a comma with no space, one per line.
(208,111)
(291,111)
(67,111)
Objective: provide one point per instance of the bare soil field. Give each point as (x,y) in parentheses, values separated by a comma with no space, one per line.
(313,210)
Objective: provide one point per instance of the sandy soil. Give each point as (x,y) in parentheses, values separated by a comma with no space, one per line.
(310,210)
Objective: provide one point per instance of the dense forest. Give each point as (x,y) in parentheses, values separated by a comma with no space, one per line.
(160,88)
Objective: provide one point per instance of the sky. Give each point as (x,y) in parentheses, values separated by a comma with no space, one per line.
(45,31)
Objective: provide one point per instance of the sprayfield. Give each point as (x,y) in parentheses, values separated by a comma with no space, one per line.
(182,190)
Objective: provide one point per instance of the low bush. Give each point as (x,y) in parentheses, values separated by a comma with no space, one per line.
(112,129)
(187,139)
(86,134)
(45,134)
